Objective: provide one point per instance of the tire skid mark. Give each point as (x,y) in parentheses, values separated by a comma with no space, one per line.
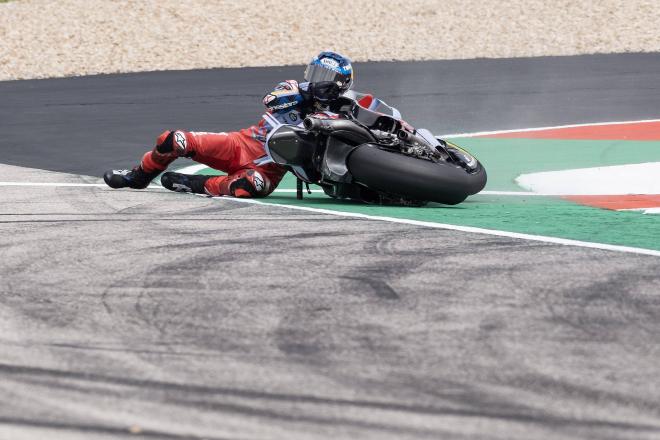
(100,429)
(194,390)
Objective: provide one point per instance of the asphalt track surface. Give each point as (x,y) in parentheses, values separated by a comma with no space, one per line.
(85,125)
(154,314)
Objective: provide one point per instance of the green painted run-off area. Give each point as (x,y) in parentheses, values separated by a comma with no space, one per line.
(505,159)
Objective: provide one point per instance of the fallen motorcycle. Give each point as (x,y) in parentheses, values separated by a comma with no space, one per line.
(356,153)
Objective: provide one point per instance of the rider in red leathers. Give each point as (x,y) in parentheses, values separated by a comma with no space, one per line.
(327,77)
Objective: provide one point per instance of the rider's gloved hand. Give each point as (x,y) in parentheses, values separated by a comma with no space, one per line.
(285,96)
(324,91)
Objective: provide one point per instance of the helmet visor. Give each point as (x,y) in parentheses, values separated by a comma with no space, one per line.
(315,73)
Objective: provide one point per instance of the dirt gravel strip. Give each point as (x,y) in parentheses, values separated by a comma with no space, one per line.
(45,38)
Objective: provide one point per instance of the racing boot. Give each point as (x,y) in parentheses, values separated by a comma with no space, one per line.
(136,178)
(184,182)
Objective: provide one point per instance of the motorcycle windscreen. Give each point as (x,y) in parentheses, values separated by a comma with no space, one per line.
(291,146)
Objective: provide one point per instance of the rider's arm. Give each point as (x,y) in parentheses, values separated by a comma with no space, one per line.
(289,95)
(284,97)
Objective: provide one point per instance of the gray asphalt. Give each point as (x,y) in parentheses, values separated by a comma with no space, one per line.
(158,315)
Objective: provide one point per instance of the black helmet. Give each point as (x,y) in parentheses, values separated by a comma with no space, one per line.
(330,66)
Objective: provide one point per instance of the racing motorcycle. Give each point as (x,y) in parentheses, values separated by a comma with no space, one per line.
(371,155)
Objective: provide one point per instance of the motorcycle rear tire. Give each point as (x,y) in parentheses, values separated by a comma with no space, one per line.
(412,178)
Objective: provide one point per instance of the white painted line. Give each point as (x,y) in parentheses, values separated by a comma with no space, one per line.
(279,190)
(524,130)
(103,185)
(285,190)
(486,193)
(191,169)
(470,229)
(52,184)
(66,184)
(541,238)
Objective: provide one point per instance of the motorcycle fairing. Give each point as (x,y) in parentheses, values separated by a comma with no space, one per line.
(372,103)
(292,147)
(289,145)
(334,166)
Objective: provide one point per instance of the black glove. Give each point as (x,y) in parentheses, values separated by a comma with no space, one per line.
(324,91)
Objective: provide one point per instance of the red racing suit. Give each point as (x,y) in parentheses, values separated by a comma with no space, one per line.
(233,153)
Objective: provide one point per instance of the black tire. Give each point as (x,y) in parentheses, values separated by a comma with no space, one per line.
(412,178)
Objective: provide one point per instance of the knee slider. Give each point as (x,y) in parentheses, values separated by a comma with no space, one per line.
(172,141)
(164,142)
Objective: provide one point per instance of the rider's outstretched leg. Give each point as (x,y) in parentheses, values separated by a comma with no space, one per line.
(244,183)
(169,146)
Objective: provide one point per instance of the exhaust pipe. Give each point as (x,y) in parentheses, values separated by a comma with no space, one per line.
(341,127)
(313,124)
